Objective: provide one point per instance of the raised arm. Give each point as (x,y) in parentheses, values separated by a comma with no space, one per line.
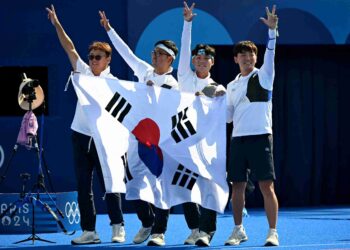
(135,63)
(185,51)
(65,41)
(267,70)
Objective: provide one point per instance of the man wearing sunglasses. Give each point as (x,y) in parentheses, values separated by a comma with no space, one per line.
(85,154)
(159,73)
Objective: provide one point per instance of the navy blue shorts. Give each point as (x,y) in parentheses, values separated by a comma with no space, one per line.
(251,153)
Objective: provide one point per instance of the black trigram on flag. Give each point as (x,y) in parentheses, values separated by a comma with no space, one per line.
(181,126)
(128,177)
(118,107)
(184,177)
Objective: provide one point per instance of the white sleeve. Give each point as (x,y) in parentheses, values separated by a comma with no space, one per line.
(229,105)
(184,70)
(267,71)
(136,64)
(82,67)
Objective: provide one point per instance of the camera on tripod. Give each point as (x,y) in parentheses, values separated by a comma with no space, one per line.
(30,94)
(30,97)
(29,89)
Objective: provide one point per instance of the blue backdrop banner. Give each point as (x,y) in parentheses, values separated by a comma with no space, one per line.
(17,213)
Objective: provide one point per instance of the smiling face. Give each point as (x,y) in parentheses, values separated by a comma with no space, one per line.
(202,64)
(203,59)
(161,60)
(246,61)
(98,61)
(245,55)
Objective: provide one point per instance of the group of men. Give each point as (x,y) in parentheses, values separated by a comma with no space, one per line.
(249,107)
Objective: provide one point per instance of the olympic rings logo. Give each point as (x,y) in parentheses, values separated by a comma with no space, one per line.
(2,156)
(72,212)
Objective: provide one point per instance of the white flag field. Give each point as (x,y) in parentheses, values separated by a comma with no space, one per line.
(175,142)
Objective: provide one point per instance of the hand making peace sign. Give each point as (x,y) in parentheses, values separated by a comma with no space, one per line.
(272,19)
(188,12)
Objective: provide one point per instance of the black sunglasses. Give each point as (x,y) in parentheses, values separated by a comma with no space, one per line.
(92,57)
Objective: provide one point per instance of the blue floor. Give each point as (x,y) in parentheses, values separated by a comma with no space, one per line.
(307,228)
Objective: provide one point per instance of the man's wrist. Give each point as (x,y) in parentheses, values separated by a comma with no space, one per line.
(273,33)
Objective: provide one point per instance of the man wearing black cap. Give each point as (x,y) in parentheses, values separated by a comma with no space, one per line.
(159,74)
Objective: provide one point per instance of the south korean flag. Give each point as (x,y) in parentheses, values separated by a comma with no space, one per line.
(178,138)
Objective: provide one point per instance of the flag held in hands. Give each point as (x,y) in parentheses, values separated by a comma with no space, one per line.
(176,142)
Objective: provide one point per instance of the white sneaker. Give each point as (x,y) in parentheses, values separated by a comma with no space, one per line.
(272,238)
(203,239)
(156,240)
(142,235)
(193,237)
(88,237)
(238,235)
(118,233)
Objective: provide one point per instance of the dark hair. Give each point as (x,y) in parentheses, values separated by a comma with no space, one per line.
(169,44)
(210,51)
(101,46)
(245,46)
